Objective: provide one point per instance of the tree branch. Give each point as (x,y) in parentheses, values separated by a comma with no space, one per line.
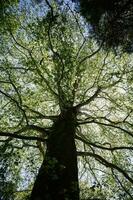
(23,137)
(90,99)
(51,8)
(106,163)
(109,125)
(103,147)
(40,115)
(17,104)
(121,185)
(91,55)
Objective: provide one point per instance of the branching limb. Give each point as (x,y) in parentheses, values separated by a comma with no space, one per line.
(29,51)
(106,163)
(26,128)
(107,125)
(89,100)
(103,147)
(21,137)
(91,55)
(39,115)
(17,104)
(51,8)
(122,186)
(60,73)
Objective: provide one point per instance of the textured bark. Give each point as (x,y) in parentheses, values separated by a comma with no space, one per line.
(58,175)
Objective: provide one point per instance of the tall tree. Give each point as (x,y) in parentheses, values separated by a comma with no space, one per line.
(63,95)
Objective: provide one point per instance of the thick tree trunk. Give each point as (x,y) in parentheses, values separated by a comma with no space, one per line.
(58,175)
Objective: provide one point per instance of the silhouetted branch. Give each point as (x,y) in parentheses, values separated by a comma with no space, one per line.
(90,99)
(106,163)
(102,147)
(91,55)
(108,125)
(122,186)
(23,137)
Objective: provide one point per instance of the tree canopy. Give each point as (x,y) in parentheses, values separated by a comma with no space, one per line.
(111,22)
(59,86)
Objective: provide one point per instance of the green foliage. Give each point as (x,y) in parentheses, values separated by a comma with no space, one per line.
(47,64)
(92,192)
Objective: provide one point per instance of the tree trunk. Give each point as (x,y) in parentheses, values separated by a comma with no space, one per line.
(58,175)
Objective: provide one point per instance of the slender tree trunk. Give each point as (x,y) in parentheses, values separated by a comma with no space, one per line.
(58,175)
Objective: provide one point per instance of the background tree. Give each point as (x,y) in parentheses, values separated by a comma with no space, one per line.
(111,22)
(64,101)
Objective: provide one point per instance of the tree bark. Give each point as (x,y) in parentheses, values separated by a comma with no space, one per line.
(58,176)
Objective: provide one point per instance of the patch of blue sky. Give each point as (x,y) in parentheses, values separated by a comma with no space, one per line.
(33,8)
